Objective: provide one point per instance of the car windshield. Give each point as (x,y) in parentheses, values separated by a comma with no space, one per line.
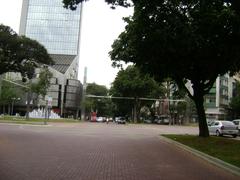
(236,122)
(212,123)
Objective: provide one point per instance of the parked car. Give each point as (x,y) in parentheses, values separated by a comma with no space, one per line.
(210,121)
(163,119)
(100,119)
(120,120)
(147,121)
(110,119)
(237,123)
(220,128)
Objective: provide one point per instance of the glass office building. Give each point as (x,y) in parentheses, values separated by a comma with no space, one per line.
(53,26)
(58,29)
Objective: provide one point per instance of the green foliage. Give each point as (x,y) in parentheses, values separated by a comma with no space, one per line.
(22,120)
(72,4)
(178,40)
(40,88)
(221,148)
(95,89)
(101,105)
(235,102)
(193,40)
(132,83)
(8,93)
(20,54)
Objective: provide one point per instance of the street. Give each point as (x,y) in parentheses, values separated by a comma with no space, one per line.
(98,151)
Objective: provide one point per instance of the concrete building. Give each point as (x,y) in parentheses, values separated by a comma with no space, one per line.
(219,97)
(58,29)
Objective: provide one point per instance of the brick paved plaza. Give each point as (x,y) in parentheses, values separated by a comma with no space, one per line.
(98,151)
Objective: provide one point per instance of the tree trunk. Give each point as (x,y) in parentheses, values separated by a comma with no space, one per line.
(202,123)
(135,111)
(28,105)
(4,109)
(9,109)
(138,110)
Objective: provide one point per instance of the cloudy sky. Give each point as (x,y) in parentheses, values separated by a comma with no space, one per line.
(100,26)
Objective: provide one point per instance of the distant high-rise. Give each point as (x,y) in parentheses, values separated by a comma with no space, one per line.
(58,29)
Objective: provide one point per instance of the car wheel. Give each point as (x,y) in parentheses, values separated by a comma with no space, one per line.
(218,133)
(234,135)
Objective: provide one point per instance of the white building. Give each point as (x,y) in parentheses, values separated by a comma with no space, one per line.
(219,97)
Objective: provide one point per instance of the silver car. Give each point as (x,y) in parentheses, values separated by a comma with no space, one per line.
(220,128)
(237,123)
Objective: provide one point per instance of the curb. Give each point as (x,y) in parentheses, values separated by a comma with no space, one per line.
(215,161)
(19,124)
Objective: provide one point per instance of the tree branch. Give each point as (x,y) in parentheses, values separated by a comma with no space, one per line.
(208,85)
(181,84)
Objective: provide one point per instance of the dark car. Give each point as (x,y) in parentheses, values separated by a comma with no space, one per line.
(163,119)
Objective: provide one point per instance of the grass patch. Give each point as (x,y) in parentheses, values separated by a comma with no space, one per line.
(23,120)
(225,149)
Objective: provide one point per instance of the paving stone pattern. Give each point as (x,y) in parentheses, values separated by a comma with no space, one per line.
(98,151)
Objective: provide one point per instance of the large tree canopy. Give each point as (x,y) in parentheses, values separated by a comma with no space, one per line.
(101,105)
(132,83)
(191,40)
(20,54)
(72,4)
(195,40)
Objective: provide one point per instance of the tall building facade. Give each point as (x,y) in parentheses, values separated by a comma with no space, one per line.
(218,99)
(58,29)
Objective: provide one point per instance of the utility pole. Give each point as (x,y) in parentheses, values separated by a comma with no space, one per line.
(0,87)
(83,94)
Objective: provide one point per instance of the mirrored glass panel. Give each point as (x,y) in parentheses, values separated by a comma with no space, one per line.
(55,27)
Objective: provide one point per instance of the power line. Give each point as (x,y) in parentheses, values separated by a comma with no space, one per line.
(132,98)
(16,83)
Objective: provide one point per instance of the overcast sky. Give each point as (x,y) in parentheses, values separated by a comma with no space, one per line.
(100,26)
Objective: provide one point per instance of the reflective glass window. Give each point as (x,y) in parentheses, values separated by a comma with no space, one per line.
(52,25)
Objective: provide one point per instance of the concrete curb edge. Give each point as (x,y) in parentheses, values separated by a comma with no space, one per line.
(215,161)
(19,124)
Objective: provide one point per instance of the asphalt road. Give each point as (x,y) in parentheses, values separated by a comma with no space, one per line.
(98,151)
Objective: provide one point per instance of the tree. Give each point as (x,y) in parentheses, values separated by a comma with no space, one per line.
(194,40)
(43,83)
(8,93)
(235,102)
(39,88)
(72,4)
(101,105)
(132,83)
(20,54)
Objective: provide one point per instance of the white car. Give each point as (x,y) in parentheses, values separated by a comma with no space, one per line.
(100,119)
(120,120)
(220,128)
(237,123)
